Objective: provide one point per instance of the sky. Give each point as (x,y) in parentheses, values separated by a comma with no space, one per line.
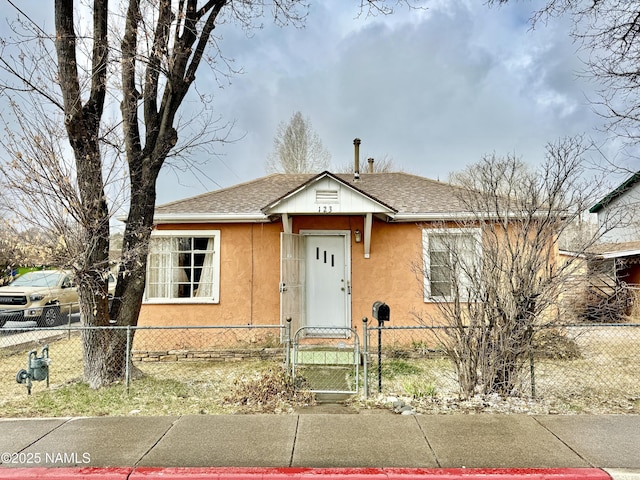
(433,90)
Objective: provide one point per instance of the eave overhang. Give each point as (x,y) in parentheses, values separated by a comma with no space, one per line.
(626,253)
(172,218)
(432,217)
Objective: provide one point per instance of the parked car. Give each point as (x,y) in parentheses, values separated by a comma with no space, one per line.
(40,296)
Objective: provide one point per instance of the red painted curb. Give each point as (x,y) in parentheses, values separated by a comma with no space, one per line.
(147,473)
(63,473)
(499,474)
(221,473)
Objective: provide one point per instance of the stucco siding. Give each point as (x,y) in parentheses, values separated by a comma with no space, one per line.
(250,273)
(249,277)
(388,275)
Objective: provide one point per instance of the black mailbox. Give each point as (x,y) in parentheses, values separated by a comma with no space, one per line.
(381,311)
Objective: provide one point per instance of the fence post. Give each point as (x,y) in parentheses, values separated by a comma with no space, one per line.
(365,355)
(532,373)
(380,324)
(127,369)
(69,322)
(287,344)
(532,368)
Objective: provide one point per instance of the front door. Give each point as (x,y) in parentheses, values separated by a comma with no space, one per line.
(328,283)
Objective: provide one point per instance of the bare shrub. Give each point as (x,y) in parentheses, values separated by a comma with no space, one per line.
(554,343)
(494,275)
(270,391)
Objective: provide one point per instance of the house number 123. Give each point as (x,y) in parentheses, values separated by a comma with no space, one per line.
(325,209)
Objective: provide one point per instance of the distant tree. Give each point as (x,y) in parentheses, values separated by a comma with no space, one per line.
(382,165)
(7,256)
(297,148)
(30,247)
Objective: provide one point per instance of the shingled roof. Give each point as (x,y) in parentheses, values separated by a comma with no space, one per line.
(616,250)
(404,193)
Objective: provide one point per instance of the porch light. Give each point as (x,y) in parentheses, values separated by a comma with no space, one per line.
(358,236)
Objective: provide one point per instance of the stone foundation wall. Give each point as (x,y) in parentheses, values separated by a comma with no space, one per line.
(208,355)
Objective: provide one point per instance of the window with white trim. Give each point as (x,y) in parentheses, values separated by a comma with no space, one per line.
(451,259)
(183,267)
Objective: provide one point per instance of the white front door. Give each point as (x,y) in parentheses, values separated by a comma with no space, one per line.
(328,283)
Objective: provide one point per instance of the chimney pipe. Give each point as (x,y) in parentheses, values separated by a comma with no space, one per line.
(370,160)
(356,158)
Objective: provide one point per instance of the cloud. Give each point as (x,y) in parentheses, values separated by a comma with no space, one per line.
(433,89)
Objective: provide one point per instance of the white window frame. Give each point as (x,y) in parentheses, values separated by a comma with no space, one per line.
(215,297)
(476,233)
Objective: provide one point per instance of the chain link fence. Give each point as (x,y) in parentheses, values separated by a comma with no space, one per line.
(207,358)
(579,365)
(594,364)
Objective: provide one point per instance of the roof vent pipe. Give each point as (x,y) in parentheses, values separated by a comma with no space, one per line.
(370,160)
(356,158)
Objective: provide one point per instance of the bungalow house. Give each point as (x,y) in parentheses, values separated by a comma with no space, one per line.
(317,248)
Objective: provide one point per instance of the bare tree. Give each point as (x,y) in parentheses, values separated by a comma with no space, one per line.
(152,68)
(496,276)
(384,164)
(39,184)
(608,31)
(297,148)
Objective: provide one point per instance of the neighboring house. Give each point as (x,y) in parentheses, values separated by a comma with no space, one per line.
(620,260)
(317,248)
(612,276)
(615,261)
(619,220)
(619,212)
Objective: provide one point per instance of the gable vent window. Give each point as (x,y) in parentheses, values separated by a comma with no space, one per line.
(326,196)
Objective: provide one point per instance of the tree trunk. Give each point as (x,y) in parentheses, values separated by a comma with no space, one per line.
(105,352)
(82,122)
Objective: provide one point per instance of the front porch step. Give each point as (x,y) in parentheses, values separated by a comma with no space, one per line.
(325,357)
(333,398)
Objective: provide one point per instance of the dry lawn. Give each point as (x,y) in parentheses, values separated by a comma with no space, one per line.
(167,388)
(604,379)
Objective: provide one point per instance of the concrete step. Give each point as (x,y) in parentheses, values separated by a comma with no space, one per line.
(332,398)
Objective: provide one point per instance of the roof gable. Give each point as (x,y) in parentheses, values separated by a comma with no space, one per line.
(326,193)
(623,188)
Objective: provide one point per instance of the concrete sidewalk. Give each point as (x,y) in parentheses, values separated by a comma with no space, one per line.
(378,440)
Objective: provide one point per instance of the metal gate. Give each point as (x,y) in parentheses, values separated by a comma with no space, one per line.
(326,359)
